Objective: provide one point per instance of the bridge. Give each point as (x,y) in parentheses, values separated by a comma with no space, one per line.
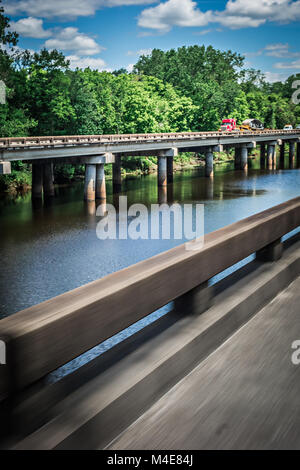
(227,386)
(94,151)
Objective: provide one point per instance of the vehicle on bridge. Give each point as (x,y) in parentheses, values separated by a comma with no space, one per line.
(228,125)
(251,125)
(288,127)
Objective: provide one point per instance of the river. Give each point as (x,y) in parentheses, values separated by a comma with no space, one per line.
(49,249)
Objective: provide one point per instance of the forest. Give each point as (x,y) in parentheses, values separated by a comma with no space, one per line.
(188,89)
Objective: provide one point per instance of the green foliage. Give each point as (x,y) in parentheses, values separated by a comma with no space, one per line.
(188,89)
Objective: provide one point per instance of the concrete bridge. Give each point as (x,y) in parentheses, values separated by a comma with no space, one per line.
(227,386)
(96,151)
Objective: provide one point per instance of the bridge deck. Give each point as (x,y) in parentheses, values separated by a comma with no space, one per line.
(243,396)
(48,147)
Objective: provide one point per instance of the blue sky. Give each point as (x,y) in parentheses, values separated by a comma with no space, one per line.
(110,34)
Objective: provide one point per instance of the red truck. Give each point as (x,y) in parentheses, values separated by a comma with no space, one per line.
(228,125)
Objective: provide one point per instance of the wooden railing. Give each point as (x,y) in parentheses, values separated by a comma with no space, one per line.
(47,336)
(51,141)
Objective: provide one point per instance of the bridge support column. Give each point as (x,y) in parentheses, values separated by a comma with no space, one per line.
(237,158)
(170,170)
(100,182)
(282,152)
(89,183)
(209,163)
(37,180)
(244,158)
(272,252)
(298,154)
(48,180)
(5,168)
(262,156)
(117,177)
(196,301)
(162,171)
(291,154)
(270,155)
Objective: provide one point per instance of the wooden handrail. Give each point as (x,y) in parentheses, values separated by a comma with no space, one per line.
(46,336)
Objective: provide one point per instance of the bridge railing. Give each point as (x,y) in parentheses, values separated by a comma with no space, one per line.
(46,336)
(51,141)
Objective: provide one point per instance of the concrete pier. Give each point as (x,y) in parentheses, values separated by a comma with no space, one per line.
(244,158)
(37,180)
(48,180)
(237,158)
(170,170)
(117,176)
(162,171)
(262,156)
(291,153)
(90,182)
(282,151)
(5,168)
(209,163)
(270,155)
(298,154)
(100,182)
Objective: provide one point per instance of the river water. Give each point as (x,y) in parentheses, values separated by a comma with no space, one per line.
(46,250)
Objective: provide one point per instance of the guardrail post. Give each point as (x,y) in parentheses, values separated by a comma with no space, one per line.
(8,385)
(117,176)
(100,182)
(271,252)
(89,183)
(48,180)
(37,180)
(209,163)
(196,301)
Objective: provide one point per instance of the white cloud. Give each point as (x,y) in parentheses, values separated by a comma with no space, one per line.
(65,8)
(70,39)
(129,68)
(30,27)
(279,50)
(295,64)
(272,77)
(174,13)
(84,62)
(237,14)
(272,10)
(140,52)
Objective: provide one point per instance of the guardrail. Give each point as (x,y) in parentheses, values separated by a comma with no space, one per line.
(51,141)
(46,336)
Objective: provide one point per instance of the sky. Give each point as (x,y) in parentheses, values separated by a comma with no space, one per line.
(111,34)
